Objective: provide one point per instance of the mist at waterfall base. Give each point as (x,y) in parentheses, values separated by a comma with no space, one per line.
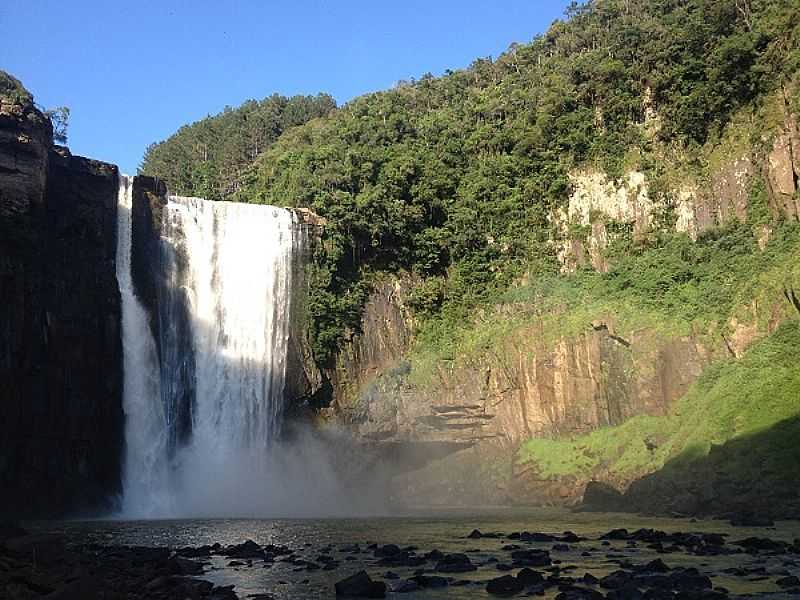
(204,401)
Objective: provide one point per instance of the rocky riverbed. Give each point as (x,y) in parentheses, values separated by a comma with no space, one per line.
(404,558)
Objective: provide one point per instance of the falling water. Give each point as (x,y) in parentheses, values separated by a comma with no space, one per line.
(206,409)
(238,283)
(144,474)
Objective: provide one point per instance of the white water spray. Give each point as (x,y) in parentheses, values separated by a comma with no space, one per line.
(144,473)
(229,267)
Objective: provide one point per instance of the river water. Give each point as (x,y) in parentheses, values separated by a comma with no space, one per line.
(443,530)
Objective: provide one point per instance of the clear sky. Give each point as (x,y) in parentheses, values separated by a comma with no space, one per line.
(133,71)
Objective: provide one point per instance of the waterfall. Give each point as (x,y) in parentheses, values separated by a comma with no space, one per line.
(205,408)
(144,471)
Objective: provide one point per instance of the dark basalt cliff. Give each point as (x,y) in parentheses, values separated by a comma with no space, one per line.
(61,420)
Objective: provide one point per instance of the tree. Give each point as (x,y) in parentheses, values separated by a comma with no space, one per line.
(59,117)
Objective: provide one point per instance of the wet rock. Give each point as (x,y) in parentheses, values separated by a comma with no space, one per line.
(475,535)
(628,592)
(387,550)
(531,558)
(658,594)
(616,580)
(507,585)
(528,577)
(360,585)
(223,592)
(247,549)
(434,555)
(430,581)
(689,579)
(527,536)
(616,534)
(406,587)
(455,563)
(790,581)
(756,544)
(580,594)
(184,566)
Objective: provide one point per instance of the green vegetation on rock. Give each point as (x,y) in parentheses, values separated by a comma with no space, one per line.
(669,283)
(732,399)
(12,88)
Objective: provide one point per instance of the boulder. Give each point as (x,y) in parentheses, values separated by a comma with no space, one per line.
(360,585)
(507,585)
(601,497)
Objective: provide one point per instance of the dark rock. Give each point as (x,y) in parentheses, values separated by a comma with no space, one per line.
(599,496)
(247,549)
(360,585)
(628,592)
(531,558)
(434,555)
(406,587)
(387,550)
(527,536)
(528,577)
(184,566)
(756,544)
(654,566)
(507,585)
(658,594)
(475,535)
(455,563)
(430,581)
(790,581)
(62,422)
(616,534)
(616,580)
(575,593)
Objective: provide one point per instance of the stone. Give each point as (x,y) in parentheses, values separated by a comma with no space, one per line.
(528,577)
(455,563)
(531,558)
(360,585)
(599,496)
(790,581)
(507,585)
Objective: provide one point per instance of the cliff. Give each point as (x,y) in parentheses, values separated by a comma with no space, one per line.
(550,391)
(60,349)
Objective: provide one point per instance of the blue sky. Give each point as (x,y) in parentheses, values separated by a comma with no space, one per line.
(133,71)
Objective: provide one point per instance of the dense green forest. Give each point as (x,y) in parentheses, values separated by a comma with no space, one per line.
(452,178)
(207,158)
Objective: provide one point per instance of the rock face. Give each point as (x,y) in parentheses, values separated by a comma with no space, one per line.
(538,383)
(493,401)
(782,167)
(61,421)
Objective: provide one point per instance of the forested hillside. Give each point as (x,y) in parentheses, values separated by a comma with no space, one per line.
(453,178)
(206,158)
